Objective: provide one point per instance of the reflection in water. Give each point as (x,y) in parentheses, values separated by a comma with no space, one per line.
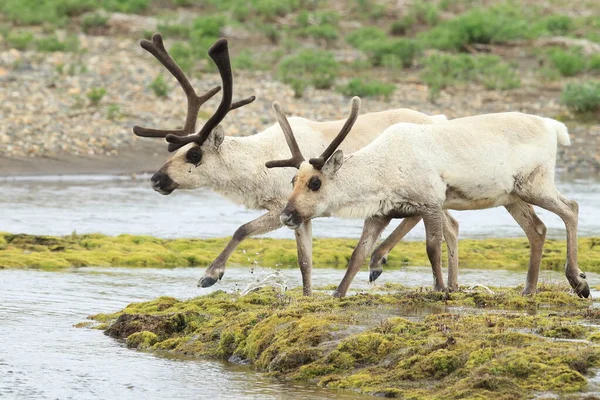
(113,205)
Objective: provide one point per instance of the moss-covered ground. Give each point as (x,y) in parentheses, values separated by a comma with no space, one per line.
(48,252)
(470,344)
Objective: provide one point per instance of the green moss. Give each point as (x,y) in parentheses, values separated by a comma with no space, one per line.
(46,252)
(141,340)
(455,352)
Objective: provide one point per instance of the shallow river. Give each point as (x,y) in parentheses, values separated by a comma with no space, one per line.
(42,356)
(115,205)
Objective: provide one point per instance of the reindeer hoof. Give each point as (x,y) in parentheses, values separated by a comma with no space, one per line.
(374,274)
(579,285)
(527,292)
(337,294)
(206,281)
(583,289)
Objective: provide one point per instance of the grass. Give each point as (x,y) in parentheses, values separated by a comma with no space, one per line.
(497,24)
(582,97)
(159,86)
(370,88)
(95,95)
(309,67)
(445,70)
(568,62)
(52,44)
(92,23)
(461,346)
(47,252)
(382,50)
(19,40)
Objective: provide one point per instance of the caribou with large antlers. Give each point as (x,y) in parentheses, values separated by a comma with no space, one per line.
(235,166)
(471,163)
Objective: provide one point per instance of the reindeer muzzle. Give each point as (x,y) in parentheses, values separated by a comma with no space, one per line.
(162,183)
(291,218)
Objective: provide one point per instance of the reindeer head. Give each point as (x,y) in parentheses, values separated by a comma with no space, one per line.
(310,195)
(196,153)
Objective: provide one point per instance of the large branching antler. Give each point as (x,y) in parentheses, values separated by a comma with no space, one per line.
(297,157)
(322,159)
(219,52)
(194,102)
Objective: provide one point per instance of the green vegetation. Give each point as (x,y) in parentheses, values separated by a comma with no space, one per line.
(53,43)
(321,26)
(93,23)
(95,94)
(366,34)
(582,97)
(419,14)
(462,348)
(362,88)
(444,70)
(559,24)
(113,112)
(295,27)
(19,40)
(159,86)
(594,63)
(568,62)
(309,67)
(383,51)
(47,252)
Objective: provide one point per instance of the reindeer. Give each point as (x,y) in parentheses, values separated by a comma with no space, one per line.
(471,163)
(235,166)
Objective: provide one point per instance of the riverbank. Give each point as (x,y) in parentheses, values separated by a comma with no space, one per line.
(71,91)
(56,252)
(460,346)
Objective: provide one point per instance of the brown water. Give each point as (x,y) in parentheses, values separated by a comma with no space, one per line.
(117,204)
(42,356)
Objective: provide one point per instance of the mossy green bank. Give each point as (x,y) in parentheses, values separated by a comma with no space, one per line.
(455,347)
(50,252)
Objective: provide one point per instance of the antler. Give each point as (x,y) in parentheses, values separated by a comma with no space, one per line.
(194,102)
(297,157)
(320,161)
(219,52)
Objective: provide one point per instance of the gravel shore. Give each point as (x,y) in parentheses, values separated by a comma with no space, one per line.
(49,125)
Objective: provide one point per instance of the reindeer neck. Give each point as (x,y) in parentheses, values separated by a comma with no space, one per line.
(244,177)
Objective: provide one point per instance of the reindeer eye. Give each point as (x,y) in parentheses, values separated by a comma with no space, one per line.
(294,180)
(194,156)
(314,183)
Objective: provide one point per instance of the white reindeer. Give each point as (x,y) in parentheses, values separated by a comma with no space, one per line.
(471,163)
(235,166)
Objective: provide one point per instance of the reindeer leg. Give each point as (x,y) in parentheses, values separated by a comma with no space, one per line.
(535,230)
(451,237)
(263,224)
(304,245)
(379,256)
(434,226)
(371,231)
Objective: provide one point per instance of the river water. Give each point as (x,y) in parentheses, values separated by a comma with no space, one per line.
(118,204)
(42,356)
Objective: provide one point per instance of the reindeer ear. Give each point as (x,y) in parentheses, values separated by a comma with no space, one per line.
(216,136)
(334,163)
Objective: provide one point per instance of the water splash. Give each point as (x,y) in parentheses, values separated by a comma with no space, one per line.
(276,279)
